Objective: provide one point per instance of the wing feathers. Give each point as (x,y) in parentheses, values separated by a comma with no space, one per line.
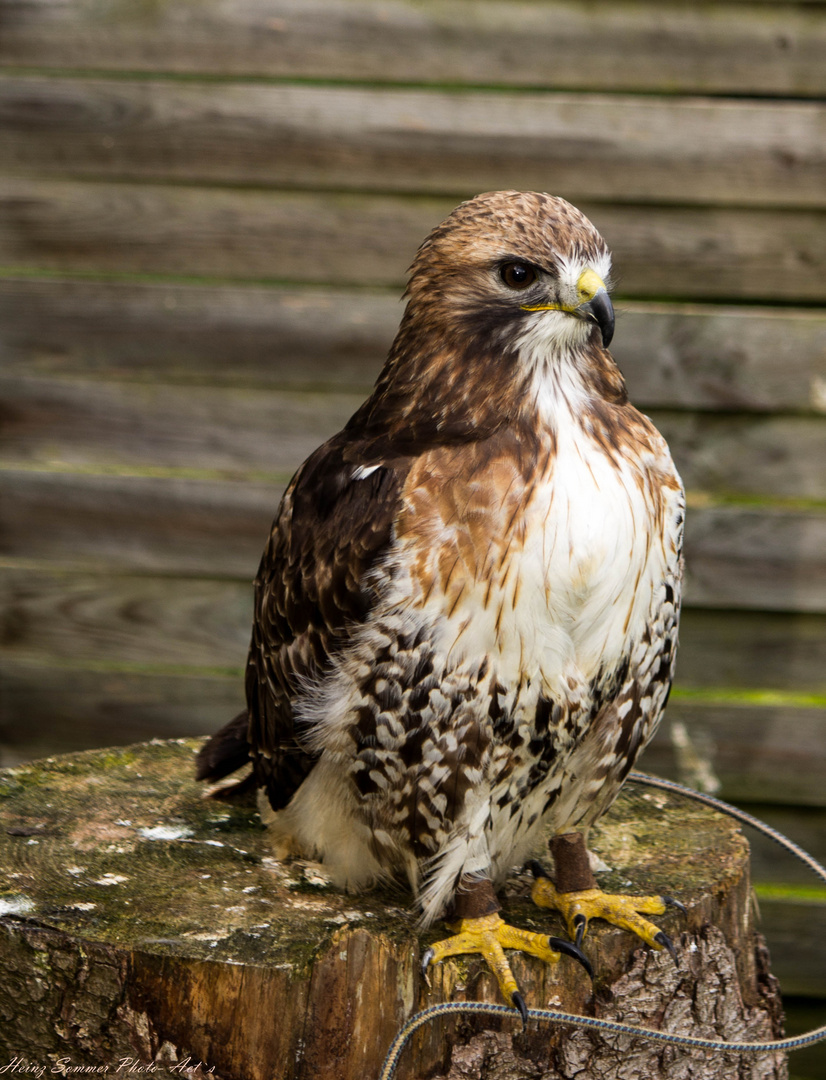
(313,586)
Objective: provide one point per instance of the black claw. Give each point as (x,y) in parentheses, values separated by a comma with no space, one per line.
(537,869)
(669,901)
(568,947)
(426,958)
(663,939)
(581,923)
(519,1003)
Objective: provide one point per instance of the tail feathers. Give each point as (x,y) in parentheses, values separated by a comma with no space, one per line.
(227,751)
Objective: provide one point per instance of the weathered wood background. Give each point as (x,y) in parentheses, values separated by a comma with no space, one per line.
(206,212)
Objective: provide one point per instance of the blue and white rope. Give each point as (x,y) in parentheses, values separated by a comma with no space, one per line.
(612,1027)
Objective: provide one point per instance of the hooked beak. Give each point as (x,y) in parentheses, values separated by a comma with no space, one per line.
(601,311)
(597,306)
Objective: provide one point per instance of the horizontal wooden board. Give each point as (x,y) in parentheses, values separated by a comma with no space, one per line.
(226,335)
(122,619)
(752,650)
(739,454)
(771,866)
(737,557)
(674,356)
(617,148)
(81,423)
(625,44)
(687,252)
(755,752)
(49,709)
(171,525)
(720,357)
(773,556)
(777,754)
(795,932)
(115,619)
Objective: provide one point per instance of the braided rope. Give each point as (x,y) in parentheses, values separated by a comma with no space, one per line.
(612,1027)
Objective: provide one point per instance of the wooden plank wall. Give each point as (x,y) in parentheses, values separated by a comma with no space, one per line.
(206,212)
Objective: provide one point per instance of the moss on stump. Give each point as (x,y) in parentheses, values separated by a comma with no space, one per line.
(145,929)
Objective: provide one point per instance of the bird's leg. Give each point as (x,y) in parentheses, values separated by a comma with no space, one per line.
(478,928)
(576,896)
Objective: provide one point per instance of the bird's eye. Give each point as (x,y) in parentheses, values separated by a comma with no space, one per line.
(517,275)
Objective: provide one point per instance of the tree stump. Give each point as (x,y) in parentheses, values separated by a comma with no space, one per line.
(147,929)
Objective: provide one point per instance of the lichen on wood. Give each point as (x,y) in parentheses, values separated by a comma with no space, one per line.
(143,923)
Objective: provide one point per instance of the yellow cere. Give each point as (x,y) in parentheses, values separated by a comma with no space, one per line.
(588,285)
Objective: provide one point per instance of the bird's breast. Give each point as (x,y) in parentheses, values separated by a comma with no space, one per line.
(549,571)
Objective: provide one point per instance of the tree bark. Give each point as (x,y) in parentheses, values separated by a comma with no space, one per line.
(145,929)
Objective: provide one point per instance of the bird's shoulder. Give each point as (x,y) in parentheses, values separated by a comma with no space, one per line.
(335,520)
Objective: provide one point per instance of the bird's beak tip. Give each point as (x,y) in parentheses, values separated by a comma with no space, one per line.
(600,309)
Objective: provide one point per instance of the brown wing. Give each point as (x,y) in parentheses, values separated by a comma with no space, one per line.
(311,590)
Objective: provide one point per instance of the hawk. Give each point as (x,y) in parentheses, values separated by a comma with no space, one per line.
(466,615)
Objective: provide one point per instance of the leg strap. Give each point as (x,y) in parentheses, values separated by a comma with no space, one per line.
(473,898)
(571,862)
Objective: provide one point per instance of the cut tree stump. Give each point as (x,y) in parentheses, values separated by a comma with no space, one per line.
(146,929)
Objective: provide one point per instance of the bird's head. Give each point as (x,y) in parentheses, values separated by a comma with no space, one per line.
(522,269)
(508,305)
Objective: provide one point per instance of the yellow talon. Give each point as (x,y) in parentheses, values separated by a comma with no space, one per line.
(490,935)
(578,908)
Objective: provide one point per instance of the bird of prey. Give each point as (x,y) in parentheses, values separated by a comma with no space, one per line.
(466,615)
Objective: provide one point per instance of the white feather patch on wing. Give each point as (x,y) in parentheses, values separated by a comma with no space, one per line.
(361,472)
